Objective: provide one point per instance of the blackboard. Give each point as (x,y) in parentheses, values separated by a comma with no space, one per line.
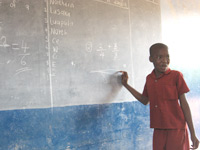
(67,52)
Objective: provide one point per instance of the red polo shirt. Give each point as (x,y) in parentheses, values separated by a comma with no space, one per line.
(163,93)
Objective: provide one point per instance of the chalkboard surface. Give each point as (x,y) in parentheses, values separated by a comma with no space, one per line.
(66,52)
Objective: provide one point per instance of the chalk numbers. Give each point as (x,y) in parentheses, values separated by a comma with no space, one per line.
(14,3)
(103,50)
(89,47)
(115,51)
(3,42)
(20,51)
(23,57)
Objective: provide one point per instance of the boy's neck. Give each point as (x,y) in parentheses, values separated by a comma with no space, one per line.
(158,74)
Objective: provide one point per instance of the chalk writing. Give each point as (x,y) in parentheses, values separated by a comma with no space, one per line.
(156,2)
(18,71)
(55,41)
(58,21)
(15,46)
(23,62)
(101,49)
(56,28)
(3,42)
(73,64)
(59,12)
(115,51)
(61,23)
(55,31)
(54,58)
(13,4)
(62,3)
(116,3)
(24,47)
(124,65)
(22,57)
(105,73)
(89,46)
(27,7)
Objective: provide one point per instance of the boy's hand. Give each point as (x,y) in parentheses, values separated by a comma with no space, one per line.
(195,142)
(124,77)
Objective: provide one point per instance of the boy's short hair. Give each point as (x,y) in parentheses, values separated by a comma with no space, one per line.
(157,46)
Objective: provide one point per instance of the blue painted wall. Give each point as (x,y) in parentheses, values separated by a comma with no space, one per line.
(119,126)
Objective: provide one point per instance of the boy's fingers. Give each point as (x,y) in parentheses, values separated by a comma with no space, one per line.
(124,76)
(124,73)
(195,145)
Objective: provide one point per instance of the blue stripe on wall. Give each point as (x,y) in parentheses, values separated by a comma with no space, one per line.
(118,126)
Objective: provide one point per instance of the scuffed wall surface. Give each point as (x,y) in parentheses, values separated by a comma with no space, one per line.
(120,126)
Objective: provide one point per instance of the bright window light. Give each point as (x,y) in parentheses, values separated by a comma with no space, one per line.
(182,35)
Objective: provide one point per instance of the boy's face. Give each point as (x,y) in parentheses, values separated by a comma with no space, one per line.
(160,59)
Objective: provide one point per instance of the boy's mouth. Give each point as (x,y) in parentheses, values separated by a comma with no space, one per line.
(164,66)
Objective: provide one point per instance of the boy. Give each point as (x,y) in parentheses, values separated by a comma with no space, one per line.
(168,116)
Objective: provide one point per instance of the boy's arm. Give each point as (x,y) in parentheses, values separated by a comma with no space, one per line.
(187,113)
(144,100)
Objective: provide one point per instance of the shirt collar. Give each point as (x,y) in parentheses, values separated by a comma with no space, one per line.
(165,73)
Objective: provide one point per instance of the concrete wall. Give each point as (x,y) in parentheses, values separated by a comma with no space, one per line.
(115,126)
(121,126)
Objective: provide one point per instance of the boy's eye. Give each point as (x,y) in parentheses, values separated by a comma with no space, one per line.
(159,57)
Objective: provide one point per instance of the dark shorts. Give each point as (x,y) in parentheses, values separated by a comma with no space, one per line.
(170,139)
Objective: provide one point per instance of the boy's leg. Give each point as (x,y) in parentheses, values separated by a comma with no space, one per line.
(159,139)
(177,140)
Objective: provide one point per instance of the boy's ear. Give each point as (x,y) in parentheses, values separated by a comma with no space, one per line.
(150,59)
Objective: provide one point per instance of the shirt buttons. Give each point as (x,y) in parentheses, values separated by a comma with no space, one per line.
(156,80)
(156,106)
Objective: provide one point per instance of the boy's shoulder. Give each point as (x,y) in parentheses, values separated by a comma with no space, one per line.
(176,72)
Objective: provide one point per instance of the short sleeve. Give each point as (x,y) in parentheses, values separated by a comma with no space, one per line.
(181,84)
